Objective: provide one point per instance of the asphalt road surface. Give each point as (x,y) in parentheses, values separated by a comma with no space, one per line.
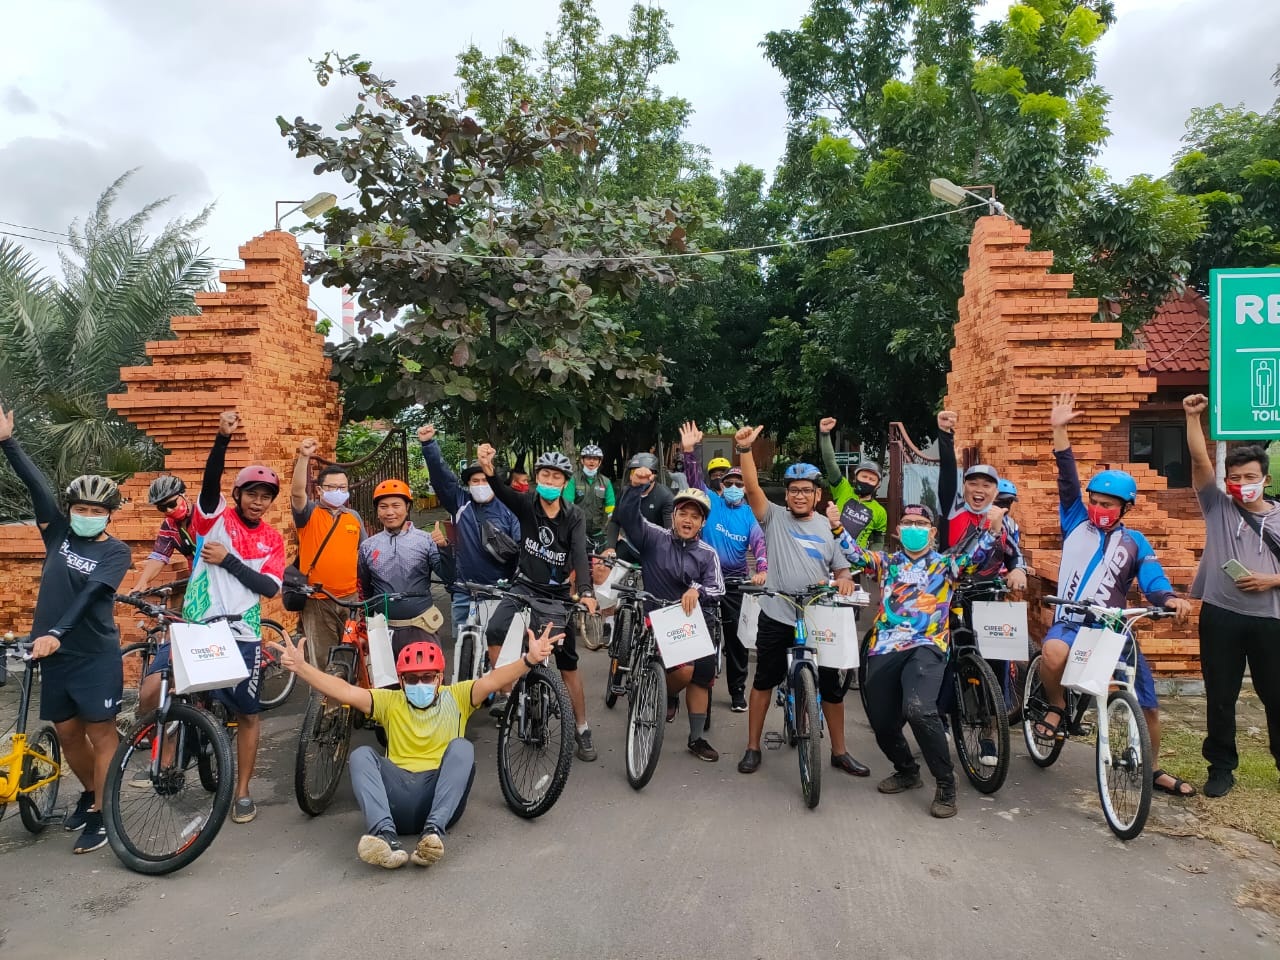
(703,863)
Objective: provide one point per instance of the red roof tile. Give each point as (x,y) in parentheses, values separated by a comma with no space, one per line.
(1177,337)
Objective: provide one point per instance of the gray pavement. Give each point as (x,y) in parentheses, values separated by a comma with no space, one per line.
(703,863)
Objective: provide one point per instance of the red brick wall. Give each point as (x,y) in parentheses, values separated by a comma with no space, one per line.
(253,347)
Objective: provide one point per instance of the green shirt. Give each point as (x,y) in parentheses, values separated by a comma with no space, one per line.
(865,520)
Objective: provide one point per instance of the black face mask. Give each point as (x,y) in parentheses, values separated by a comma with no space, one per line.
(1004,503)
(864,489)
(715,484)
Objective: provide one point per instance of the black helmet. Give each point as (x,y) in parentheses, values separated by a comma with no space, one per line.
(165,488)
(93,490)
(646,460)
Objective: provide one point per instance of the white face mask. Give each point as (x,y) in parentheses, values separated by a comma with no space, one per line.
(481,492)
(335,498)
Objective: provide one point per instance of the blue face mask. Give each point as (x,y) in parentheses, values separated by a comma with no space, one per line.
(590,471)
(914,539)
(420,695)
(734,494)
(87,526)
(548,493)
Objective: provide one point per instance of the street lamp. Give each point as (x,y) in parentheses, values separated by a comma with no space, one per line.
(948,192)
(312,208)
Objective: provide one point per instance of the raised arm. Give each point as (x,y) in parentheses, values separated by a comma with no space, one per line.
(830,469)
(301,468)
(1063,412)
(640,532)
(690,437)
(443,480)
(512,499)
(211,485)
(743,440)
(43,499)
(1202,470)
(293,657)
(946,474)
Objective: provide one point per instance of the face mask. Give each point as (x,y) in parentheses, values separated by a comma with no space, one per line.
(548,493)
(179,512)
(420,695)
(335,498)
(715,484)
(914,539)
(982,512)
(520,486)
(590,471)
(1104,518)
(1246,492)
(87,526)
(864,489)
(481,493)
(734,494)
(1005,505)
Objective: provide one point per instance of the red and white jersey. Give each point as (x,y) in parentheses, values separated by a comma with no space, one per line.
(212,592)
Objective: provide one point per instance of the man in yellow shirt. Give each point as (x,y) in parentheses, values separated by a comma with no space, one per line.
(421,785)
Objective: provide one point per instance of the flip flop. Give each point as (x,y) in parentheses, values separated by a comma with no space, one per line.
(1176,789)
(1054,729)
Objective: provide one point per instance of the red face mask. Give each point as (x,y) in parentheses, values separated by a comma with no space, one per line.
(520,487)
(179,512)
(1246,492)
(1104,518)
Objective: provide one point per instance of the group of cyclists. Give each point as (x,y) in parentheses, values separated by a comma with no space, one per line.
(549,537)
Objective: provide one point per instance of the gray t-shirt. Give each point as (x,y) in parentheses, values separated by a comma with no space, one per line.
(1227,536)
(806,554)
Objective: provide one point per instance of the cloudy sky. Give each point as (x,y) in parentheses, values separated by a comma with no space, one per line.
(189,91)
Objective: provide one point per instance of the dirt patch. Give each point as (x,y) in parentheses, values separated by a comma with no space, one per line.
(1261,895)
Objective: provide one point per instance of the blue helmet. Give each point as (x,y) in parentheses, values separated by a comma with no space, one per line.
(1114,483)
(802,471)
(1006,488)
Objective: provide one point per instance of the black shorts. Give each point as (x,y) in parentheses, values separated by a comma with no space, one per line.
(243,697)
(704,671)
(773,640)
(84,688)
(544,611)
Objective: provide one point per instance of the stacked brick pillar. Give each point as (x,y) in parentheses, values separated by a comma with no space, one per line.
(1020,339)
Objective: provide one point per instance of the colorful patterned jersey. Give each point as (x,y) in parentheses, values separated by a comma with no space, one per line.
(212,592)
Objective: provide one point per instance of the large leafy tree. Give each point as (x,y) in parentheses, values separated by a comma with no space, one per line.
(66,338)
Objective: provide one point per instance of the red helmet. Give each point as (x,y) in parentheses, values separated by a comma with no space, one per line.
(421,657)
(257,475)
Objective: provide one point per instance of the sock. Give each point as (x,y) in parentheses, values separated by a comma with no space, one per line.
(582,728)
(697,726)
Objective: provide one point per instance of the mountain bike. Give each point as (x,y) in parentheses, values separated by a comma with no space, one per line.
(470,652)
(32,766)
(798,693)
(628,622)
(1124,763)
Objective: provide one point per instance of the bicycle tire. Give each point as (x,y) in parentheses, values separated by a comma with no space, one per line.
(808,736)
(323,744)
(133,674)
(620,646)
(1043,753)
(978,705)
(1130,768)
(275,683)
(194,838)
(547,704)
(646,724)
(36,808)
(864,649)
(466,653)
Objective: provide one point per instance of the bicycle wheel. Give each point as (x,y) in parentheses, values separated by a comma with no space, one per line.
(135,659)
(535,743)
(863,658)
(275,683)
(590,627)
(645,723)
(808,736)
(978,713)
(165,826)
(323,743)
(1125,767)
(1043,752)
(36,806)
(469,637)
(619,653)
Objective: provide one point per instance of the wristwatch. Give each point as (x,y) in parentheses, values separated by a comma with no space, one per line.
(743,449)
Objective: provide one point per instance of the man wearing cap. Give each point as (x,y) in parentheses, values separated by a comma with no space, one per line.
(862,517)
(732,530)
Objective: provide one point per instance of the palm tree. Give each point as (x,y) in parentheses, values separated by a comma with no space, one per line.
(64,340)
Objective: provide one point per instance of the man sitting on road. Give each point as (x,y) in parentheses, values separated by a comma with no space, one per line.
(421,785)
(168,494)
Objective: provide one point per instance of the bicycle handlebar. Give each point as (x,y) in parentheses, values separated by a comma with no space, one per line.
(1097,610)
(496,592)
(809,594)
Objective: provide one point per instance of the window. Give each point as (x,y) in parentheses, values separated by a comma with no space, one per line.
(1163,447)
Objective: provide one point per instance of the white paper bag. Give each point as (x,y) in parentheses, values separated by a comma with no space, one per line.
(606,593)
(1091,664)
(749,620)
(682,638)
(513,642)
(1001,630)
(833,633)
(205,657)
(382,658)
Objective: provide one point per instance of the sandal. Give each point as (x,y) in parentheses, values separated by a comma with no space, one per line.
(1052,730)
(1176,789)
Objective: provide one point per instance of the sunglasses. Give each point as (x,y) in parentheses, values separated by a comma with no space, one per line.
(412,678)
(169,505)
(732,483)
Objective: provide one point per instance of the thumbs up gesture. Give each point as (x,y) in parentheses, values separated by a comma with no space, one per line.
(438,537)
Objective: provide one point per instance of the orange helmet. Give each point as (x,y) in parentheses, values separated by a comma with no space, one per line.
(421,657)
(392,488)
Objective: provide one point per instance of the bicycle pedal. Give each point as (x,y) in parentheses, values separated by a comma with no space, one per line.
(773,740)
(1081,730)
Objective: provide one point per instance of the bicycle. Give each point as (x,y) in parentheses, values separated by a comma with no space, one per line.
(536,732)
(1124,763)
(798,693)
(470,652)
(32,767)
(163,827)
(627,617)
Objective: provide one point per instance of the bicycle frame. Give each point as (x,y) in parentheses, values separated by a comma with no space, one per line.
(11,763)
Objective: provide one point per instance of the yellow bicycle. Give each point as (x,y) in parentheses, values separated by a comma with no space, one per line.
(31,768)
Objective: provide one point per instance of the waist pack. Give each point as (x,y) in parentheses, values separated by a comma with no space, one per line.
(501,548)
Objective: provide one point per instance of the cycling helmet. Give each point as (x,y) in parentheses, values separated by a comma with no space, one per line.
(421,657)
(257,475)
(1006,488)
(165,488)
(719,463)
(392,488)
(1114,483)
(802,471)
(93,490)
(591,450)
(646,460)
(553,460)
(696,497)
(868,466)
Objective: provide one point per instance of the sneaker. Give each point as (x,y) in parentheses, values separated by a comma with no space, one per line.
(944,801)
(750,762)
(244,810)
(898,782)
(739,704)
(94,835)
(76,819)
(987,755)
(1219,783)
(673,707)
(498,709)
(586,749)
(383,850)
(428,851)
(703,750)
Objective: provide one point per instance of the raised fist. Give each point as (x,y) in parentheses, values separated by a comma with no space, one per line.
(947,421)
(827,424)
(308,447)
(228,422)
(1195,405)
(485,454)
(426,433)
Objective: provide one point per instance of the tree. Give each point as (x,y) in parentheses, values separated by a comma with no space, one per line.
(66,339)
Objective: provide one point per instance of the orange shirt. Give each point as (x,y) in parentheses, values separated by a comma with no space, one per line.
(336,569)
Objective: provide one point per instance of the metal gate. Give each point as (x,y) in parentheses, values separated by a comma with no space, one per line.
(390,461)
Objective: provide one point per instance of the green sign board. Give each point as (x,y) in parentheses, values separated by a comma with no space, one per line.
(1244,354)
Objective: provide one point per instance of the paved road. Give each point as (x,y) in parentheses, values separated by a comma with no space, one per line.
(703,863)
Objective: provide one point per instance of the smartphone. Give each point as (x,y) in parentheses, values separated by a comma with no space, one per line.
(1236,570)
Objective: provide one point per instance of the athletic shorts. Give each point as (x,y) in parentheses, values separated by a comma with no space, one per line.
(545,610)
(243,697)
(85,688)
(1144,684)
(773,640)
(704,671)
